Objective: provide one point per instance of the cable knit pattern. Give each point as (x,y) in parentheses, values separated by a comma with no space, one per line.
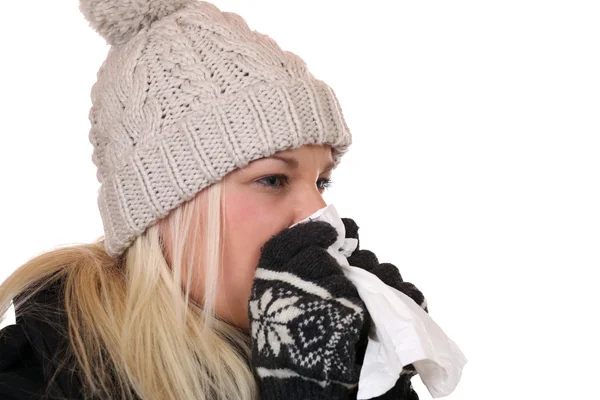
(187,97)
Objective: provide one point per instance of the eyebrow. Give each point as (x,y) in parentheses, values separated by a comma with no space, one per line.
(293,162)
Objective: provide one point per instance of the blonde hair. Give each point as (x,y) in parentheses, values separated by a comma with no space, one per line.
(132,328)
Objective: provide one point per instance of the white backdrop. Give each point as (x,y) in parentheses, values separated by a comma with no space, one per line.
(475,166)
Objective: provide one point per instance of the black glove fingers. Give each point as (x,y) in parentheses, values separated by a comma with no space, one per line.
(411,291)
(340,286)
(386,272)
(364,259)
(389,274)
(316,265)
(313,264)
(351,228)
(287,243)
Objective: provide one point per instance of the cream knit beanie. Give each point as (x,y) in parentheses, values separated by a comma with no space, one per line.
(187,94)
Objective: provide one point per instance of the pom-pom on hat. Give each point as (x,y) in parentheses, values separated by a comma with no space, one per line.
(117,21)
(187,94)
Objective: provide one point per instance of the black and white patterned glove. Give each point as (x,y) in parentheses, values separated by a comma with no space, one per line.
(305,318)
(390,275)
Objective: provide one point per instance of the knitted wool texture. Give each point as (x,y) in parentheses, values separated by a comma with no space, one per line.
(187,94)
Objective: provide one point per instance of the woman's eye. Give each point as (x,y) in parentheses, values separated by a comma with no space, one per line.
(326,183)
(272,180)
(281,181)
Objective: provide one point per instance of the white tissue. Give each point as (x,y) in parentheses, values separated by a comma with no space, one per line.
(403,332)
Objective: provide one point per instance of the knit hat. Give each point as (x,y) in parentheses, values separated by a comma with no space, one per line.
(187,94)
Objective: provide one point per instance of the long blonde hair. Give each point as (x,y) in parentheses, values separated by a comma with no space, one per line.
(132,328)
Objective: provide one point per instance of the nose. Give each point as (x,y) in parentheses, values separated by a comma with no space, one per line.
(307,204)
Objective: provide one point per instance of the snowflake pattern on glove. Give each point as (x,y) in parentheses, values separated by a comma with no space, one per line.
(305,331)
(270,318)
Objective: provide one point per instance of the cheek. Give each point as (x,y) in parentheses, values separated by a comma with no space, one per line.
(245,214)
(250,222)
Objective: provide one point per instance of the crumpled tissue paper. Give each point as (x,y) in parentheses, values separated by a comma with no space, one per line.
(403,332)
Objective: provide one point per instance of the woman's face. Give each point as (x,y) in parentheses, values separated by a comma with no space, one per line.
(262,199)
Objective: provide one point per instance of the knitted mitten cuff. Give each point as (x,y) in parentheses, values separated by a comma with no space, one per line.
(284,385)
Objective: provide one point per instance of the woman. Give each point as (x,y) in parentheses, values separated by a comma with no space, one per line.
(209,142)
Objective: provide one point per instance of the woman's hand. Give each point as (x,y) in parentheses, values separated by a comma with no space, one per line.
(306,318)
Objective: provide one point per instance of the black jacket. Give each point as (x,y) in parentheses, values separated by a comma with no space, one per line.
(29,351)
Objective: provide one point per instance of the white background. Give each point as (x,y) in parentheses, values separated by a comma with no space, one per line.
(475,166)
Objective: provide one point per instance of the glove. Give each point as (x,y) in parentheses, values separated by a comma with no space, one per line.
(390,275)
(306,318)
(386,272)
